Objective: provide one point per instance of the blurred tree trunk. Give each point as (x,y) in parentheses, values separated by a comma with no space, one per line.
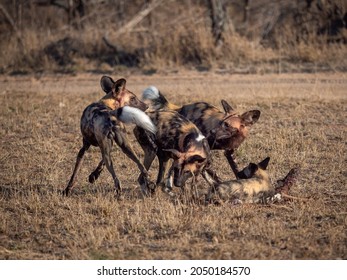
(246,12)
(75,9)
(14,26)
(218,18)
(76,12)
(149,17)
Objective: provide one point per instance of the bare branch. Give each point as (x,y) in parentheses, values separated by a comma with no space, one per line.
(14,27)
(8,18)
(52,3)
(139,17)
(218,18)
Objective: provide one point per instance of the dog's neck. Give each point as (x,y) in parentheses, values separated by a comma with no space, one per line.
(173,107)
(110,101)
(262,175)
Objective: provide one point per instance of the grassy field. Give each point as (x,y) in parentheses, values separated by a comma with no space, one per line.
(303,122)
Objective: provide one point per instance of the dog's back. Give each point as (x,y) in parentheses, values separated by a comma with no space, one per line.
(97,121)
(223,130)
(171,129)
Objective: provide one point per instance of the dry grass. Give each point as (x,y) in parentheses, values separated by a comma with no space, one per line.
(303,121)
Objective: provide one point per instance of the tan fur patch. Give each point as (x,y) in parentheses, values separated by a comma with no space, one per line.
(247,190)
(110,102)
(171,106)
(188,127)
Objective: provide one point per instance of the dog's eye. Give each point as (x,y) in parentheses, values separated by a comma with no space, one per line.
(132,99)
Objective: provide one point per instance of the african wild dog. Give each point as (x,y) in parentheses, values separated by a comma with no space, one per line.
(255,186)
(100,127)
(223,130)
(176,138)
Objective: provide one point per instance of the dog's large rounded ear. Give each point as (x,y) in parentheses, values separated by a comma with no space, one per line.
(119,85)
(196,158)
(227,108)
(250,117)
(264,163)
(175,153)
(106,84)
(248,171)
(253,168)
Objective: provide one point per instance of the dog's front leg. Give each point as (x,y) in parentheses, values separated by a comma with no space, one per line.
(78,164)
(229,156)
(213,180)
(168,183)
(211,177)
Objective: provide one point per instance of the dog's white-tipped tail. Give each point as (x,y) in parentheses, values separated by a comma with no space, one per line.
(150,93)
(154,99)
(133,115)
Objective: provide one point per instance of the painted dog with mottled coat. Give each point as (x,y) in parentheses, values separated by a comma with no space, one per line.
(253,186)
(176,138)
(101,125)
(223,130)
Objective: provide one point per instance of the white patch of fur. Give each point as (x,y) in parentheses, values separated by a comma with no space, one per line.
(150,93)
(169,182)
(138,117)
(277,197)
(200,137)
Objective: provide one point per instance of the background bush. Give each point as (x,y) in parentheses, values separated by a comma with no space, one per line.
(103,35)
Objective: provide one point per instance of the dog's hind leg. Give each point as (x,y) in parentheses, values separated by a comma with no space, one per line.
(96,173)
(148,146)
(147,188)
(105,147)
(150,150)
(123,143)
(78,164)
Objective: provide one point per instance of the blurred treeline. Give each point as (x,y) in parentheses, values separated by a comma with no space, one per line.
(247,36)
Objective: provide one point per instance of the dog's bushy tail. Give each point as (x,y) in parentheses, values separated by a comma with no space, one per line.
(156,100)
(133,115)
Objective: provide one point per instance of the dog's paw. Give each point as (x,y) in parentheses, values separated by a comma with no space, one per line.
(148,189)
(65,192)
(93,177)
(168,191)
